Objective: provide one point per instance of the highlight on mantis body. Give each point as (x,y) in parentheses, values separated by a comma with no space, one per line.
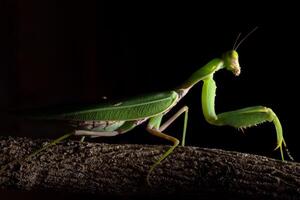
(113,119)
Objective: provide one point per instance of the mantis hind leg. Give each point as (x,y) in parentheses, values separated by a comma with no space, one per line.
(37,152)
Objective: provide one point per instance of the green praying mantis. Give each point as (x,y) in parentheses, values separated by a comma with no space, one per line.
(110,119)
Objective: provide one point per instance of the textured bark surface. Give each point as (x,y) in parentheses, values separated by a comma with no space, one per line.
(107,169)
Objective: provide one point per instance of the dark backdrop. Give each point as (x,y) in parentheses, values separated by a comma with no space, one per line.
(55,52)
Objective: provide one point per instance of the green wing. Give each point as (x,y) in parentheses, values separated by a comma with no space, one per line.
(131,109)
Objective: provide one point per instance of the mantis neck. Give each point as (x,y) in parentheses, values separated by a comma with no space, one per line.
(209,69)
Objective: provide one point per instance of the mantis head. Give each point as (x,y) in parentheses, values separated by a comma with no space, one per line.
(231,62)
(231,58)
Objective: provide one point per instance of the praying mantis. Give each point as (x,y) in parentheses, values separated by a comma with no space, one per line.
(111,119)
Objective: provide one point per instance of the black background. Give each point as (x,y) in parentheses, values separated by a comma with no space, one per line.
(55,52)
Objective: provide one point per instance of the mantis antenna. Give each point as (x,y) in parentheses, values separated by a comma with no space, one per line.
(237,38)
(242,40)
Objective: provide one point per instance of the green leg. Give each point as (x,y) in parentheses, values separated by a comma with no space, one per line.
(175,142)
(53,142)
(242,118)
(82,139)
(165,125)
(155,129)
(251,116)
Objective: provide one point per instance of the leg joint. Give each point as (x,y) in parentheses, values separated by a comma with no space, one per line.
(185,108)
(271,114)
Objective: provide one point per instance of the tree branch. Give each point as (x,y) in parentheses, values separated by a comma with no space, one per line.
(111,169)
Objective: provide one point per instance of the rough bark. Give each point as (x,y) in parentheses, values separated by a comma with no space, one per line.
(112,169)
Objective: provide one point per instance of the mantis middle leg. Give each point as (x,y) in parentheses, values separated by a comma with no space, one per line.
(241,118)
(156,129)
